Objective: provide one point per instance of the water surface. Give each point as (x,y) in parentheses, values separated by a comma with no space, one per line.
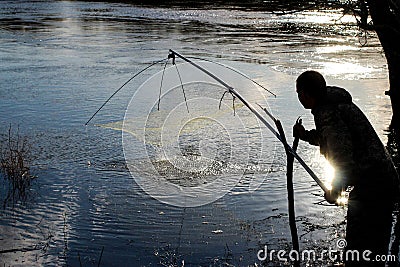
(61,59)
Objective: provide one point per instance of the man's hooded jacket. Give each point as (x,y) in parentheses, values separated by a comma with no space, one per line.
(348,141)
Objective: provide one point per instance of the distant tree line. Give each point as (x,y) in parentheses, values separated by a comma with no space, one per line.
(263,5)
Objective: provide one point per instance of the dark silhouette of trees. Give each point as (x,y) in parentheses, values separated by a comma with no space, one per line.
(385,21)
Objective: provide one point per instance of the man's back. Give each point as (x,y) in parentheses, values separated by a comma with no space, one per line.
(350,143)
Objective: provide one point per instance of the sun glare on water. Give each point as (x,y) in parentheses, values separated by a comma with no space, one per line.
(329,174)
(342,199)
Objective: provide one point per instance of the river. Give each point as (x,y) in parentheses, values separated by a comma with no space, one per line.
(60,60)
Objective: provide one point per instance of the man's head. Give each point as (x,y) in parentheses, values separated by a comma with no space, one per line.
(311,88)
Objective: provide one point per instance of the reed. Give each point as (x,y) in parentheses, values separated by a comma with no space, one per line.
(15,160)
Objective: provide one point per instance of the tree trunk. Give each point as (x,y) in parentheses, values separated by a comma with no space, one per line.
(387,26)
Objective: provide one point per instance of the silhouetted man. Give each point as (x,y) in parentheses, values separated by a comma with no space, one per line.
(351,145)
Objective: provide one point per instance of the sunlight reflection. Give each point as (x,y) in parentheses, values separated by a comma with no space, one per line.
(335,49)
(342,199)
(323,17)
(346,69)
(329,173)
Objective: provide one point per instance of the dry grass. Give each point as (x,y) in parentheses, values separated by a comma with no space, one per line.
(15,159)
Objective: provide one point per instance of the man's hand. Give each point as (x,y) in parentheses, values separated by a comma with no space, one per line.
(332,195)
(299,131)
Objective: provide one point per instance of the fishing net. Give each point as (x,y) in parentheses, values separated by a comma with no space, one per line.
(187,143)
